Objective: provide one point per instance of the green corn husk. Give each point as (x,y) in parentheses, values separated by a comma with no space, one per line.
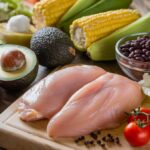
(104,49)
(101,6)
(79,6)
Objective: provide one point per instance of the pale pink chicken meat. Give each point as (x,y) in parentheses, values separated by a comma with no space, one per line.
(100,104)
(49,95)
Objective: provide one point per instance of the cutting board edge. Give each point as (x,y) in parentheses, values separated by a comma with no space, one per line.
(22,137)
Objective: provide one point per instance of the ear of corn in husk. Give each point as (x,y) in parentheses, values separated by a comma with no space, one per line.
(48,12)
(86,30)
(104,49)
(79,6)
(98,7)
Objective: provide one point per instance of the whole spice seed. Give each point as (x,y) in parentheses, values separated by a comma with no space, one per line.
(89,143)
(104,139)
(110,138)
(76,141)
(93,135)
(103,145)
(98,132)
(138,49)
(117,141)
(81,138)
(99,142)
(109,135)
(86,143)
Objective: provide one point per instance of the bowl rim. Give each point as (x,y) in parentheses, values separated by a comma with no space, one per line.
(125,37)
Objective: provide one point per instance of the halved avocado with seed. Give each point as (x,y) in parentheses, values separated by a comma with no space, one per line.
(18,66)
(14,37)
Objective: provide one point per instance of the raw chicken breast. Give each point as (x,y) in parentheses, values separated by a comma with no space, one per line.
(100,104)
(48,96)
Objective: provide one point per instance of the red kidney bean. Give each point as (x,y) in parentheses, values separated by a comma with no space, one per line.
(138,49)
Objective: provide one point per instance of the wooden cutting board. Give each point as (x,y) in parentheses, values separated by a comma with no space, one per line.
(18,135)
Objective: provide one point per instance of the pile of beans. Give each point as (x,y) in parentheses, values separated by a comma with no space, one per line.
(138,49)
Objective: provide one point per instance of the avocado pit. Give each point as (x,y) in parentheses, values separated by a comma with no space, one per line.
(18,66)
(13,60)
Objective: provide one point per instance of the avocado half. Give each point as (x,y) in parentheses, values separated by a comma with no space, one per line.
(14,37)
(21,78)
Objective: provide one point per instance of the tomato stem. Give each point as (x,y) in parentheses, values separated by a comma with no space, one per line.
(137,112)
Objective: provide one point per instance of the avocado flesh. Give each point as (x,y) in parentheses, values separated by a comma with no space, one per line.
(16,38)
(22,77)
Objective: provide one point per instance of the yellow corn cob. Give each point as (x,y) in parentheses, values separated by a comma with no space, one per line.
(48,12)
(86,30)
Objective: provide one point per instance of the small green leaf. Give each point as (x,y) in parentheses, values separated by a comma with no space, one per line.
(13,7)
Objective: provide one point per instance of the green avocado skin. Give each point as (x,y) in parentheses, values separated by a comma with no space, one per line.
(21,83)
(52,47)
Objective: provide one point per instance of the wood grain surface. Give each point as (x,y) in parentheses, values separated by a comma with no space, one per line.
(19,135)
(7,98)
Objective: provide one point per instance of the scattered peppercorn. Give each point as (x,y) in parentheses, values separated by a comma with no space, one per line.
(117,141)
(110,138)
(81,138)
(138,49)
(86,142)
(98,142)
(101,142)
(93,135)
(104,139)
(98,132)
(103,146)
(89,143)
(76,141)
(109,135)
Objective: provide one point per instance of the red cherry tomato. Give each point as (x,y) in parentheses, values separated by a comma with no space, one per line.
(141,117)
(32,1)
(135,135)
(148,128)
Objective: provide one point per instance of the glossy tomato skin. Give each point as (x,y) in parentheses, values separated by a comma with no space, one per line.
(135,135)
(148,129)
(32,1)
